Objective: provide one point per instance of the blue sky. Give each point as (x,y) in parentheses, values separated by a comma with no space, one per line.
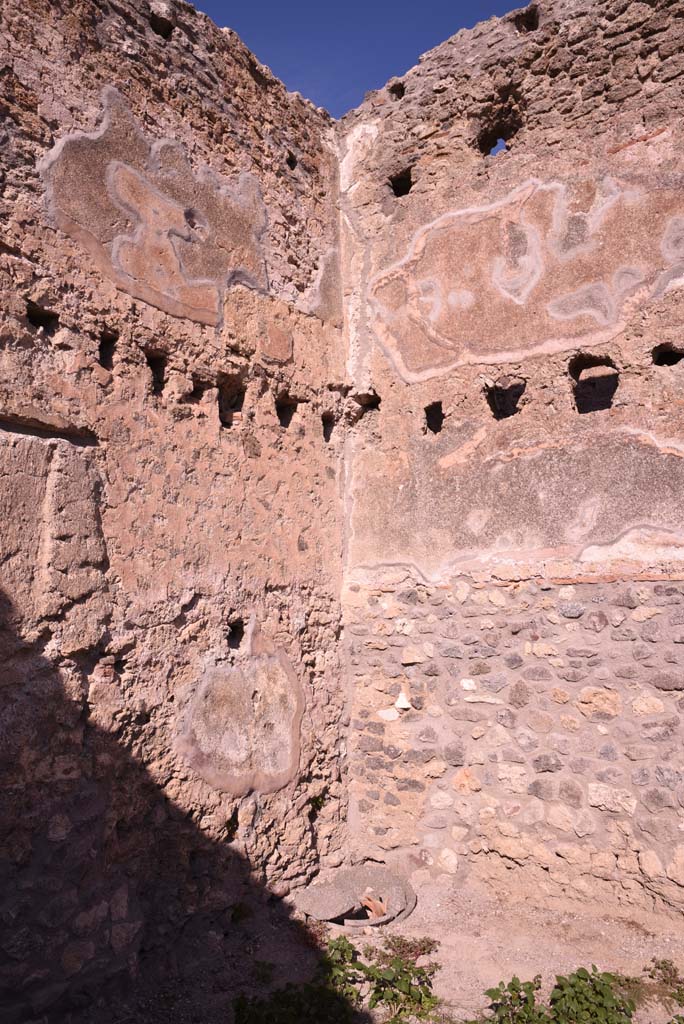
(333,53)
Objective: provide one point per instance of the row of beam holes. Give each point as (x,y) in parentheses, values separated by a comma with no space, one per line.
(595,378)
(231,393)
(595,381)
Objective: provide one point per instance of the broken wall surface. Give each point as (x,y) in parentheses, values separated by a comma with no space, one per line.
(170,361)
(514,522)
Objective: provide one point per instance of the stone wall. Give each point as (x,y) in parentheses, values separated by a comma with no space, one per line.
(533,727)
(514,522)
(170,368)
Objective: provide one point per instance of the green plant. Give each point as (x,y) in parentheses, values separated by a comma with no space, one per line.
(581,998)
(660,983)
(516,1002)
(588,997)
(386,979)
(664,973)
(407,948)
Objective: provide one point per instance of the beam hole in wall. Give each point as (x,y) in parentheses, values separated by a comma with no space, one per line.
(236,634)
(286,407)
(434,417)
(39,316)
(397,90)
(368,401)
(231,398)
(107,347)
(161,25)
(328,424)
(156,362)
(667,355)
(595,382)
(291,160)
(402,182)
(498,130)
(504,395)
(527,20)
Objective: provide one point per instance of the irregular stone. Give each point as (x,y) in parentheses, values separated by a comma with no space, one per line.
(440,800)
(560,696)
(662,729)
(560,818)
(657,799)
(519,695)
(466,781)
(412,655)
(454,754)
(651,864)
(599,703)
(547,763)
(608,798)
(571,609)
(448,861)
(675,868)
(540,721)
(570,793)
(596,621)
(512,777)
(388,714)
(543,789)
(645,704)
(667,680)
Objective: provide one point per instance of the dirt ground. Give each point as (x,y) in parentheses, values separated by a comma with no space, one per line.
(485,940)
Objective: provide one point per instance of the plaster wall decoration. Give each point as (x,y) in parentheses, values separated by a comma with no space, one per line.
(161,231)
(549,265)
(241,731)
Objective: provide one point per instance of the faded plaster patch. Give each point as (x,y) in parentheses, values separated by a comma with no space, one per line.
(530,273)
(161,231)
(241,730)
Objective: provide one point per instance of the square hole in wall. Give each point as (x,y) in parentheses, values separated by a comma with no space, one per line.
(156,362)
(328,424)
(286,407)
(595,381)
(236,634)
(434,417)
(527,20)
(402,182)
(41,317)
(231,399)
(503,396)
(667,355)
(107,347)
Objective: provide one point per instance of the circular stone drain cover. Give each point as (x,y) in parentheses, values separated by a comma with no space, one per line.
(368,894)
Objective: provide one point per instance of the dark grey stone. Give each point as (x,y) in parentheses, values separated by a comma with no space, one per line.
(547,763)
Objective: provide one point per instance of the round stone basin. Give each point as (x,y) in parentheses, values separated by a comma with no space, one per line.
(356,897)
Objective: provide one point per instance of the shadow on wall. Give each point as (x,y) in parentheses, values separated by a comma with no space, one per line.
(114,907)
